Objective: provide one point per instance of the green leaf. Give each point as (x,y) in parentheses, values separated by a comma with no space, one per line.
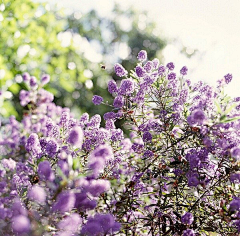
(219,110)
(227,120)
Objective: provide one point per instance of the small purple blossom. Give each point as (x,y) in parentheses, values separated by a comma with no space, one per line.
(148,154)
(126,87)
(26,77)
(142,55)
(235,153)
(140,71)
(161,70)
(33,82)
(97,100)
(112,87)
(197,117)
(172,76)
(70,224)
(228,78)
(147,137)
(155,63)
(170,66)
(119,70)
(235,205)
(65,202)
(45,171)
(37,193)
(118,101)
(148,66)
(184,70)
(21,225)
(187,218)
(45,79)
(76,137)
(189,232)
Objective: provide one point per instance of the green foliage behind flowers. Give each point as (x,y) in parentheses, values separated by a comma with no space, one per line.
(41,40)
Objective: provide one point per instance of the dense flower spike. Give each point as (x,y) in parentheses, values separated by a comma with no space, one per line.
(166,163)
(112,87)
(119,70)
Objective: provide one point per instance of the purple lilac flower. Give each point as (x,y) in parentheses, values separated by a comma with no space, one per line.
(26,77)
(84,118)
(100,224)
(64,119)
(118,101)
(45,171)
(117,135)
(155,63)
(76,137)
(126,144)
(96,166)
(65,202)
(18,208)
(97,100)
(45,79)
(140,71)
(37,193)
(148,66)
(24,97)
(235,178)
(63,166)
(44,96)
(170,66)
(109,115)
(96,187)
(126,87)
(172,76)
(103,151)
(92,229)
(109,124)
(137,147)
(142,55)
(161,70)
(198,116)
(70,223)
(148,154)
(189,232)
(119,70)
(33,82)
(83,202)
(187,218)
(147,137)
(193,181)
(21,225)
(112,87)
(228,78)
(9,164)
(237,99)
(33,145)
(184,70)
(235,153)
(235,205)
(95,121)
(51,148)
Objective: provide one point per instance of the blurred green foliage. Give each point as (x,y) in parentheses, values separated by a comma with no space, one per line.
(71,49)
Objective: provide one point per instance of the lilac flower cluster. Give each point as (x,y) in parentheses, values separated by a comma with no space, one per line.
(174,172)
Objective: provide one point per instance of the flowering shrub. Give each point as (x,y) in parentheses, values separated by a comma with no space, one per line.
(176,174)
